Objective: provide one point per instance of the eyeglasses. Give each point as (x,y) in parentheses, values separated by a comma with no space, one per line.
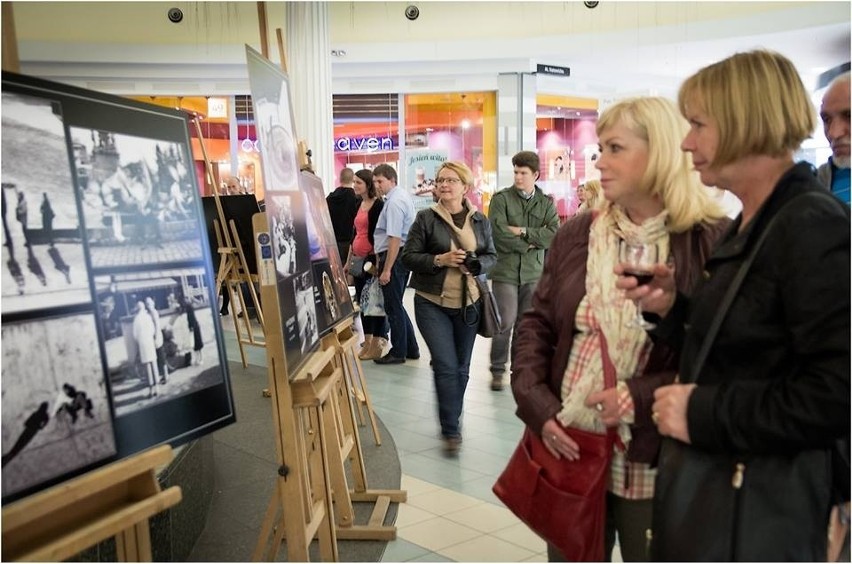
(452,181)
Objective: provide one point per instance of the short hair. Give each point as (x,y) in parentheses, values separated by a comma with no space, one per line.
(528,159)
(669,173)
(367,177)
(347,176)
(758,102)
(842,77)
(387,171)
(459,168)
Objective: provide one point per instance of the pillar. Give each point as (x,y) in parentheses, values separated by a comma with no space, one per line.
(307,42)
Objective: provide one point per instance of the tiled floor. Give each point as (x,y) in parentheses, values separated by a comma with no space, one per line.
(451,514)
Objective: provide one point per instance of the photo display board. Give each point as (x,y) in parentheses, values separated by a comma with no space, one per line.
(109,341)
(312,291)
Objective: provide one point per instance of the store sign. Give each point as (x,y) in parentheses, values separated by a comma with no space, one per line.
(217,107)
(368,144)
(554,70)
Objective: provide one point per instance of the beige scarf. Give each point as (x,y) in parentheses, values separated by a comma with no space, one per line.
(610,313)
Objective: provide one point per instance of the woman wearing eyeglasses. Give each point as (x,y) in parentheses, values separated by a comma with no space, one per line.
(447,245)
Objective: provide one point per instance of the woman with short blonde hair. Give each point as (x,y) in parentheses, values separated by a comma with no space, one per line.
(751,466)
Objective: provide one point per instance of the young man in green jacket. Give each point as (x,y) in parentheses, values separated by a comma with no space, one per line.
(524,221)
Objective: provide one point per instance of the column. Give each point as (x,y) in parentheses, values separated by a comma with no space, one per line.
(516,131)
(307,43)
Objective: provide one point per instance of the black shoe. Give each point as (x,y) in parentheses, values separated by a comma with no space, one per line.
(223,313)
(414,356)
(389,359)
(162,380)
(497,384)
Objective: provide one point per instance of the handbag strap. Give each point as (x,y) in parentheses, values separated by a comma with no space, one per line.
(737,281)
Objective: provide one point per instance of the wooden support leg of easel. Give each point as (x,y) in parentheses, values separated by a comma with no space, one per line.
(134,544)
(346,341)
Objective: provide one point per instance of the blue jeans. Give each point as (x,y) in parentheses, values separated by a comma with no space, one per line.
(450,341)
(403,339)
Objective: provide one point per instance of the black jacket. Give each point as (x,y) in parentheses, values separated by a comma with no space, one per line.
(773,396)
(429,236)
(342,207)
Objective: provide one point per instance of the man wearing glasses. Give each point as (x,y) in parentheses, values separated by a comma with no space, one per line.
(390,235)
(524,221)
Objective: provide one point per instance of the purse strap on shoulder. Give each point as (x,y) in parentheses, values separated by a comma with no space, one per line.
(737,281)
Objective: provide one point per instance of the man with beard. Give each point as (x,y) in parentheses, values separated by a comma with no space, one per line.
(835,119)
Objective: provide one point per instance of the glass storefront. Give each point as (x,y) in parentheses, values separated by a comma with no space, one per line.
(437,127)
(567,144)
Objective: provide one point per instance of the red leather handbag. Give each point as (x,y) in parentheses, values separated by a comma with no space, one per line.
(564,502)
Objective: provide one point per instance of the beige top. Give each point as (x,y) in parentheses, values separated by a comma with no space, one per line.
(451,293)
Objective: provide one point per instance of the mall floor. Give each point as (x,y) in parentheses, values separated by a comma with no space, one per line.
(451,514)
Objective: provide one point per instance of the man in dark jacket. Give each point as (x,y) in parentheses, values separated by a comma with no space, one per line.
(524,221)
(343,207)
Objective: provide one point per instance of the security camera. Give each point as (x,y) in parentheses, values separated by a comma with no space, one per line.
(591,5)
(175,15)
(412,12)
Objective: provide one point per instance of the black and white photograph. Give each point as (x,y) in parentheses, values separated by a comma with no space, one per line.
(286,217)
(270,92)
(138,199)
(159,336)
(284,245)
(56,415)
(320,229)
(43,258)
(306,315)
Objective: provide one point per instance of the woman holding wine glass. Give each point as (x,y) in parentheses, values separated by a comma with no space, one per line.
(756,421)
(578,318)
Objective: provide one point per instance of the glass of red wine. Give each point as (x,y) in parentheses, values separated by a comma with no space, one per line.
(638,260)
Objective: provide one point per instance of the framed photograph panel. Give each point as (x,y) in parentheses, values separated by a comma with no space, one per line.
(109,342)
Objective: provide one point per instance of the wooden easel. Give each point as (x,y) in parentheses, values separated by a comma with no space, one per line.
(116,500)
(233,268)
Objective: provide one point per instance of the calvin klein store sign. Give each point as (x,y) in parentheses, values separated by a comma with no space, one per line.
(367,144)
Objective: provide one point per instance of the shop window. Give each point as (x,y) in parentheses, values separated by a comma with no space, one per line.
(459,126)
(567,144)
(366,131)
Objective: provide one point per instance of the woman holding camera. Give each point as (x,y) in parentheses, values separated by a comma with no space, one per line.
(447,245)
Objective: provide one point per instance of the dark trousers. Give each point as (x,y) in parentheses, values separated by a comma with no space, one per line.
(374,325)
(403,339)
(631,519)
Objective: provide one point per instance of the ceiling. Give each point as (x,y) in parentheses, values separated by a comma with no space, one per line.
(616,49)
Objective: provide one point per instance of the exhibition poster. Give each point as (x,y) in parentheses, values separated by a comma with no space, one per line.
(312,291)
(109,341)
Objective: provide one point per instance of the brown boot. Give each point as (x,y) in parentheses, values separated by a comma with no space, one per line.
(371,351)
(366,344)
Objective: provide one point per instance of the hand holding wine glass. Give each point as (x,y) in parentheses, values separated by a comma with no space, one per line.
(639,260)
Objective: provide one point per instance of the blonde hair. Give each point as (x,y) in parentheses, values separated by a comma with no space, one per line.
(459,168)
(669,173)
(758,102)
(593,194)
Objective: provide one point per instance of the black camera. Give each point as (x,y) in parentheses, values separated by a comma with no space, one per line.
(412,12)
(471,263)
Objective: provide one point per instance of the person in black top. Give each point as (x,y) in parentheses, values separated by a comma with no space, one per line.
(342,207)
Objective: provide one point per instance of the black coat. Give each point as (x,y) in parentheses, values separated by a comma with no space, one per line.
(342,207)
(773,396)
(429,236)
